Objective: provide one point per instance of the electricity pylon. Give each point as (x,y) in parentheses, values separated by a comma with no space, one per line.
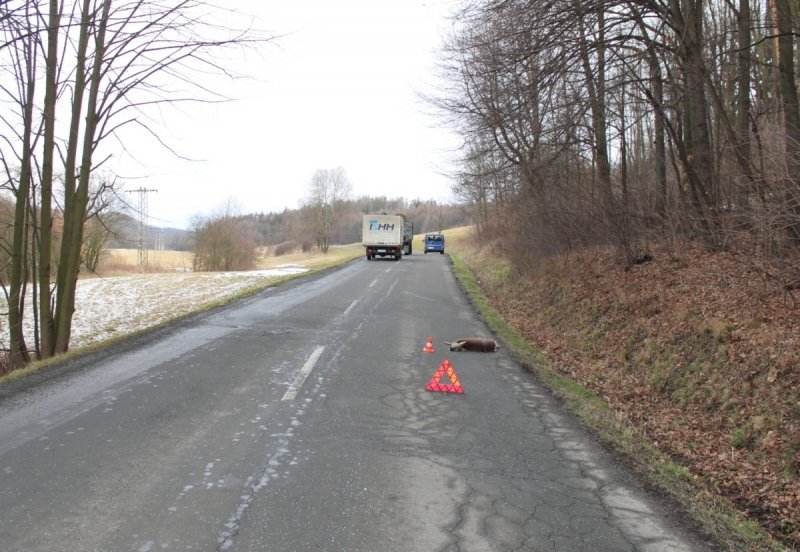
(143,245)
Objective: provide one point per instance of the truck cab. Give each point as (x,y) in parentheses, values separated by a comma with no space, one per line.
(434,243)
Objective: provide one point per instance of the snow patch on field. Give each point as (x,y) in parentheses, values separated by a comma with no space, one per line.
(111,307)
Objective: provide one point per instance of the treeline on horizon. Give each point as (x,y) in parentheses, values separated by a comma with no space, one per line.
(296,226)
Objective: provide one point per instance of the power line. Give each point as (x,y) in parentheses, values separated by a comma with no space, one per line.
(142,255)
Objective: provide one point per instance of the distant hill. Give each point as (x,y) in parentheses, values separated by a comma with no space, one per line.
(125,235)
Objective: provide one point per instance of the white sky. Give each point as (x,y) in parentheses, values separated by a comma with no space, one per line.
(340,88)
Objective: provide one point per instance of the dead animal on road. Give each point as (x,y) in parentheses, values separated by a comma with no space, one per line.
(474,344)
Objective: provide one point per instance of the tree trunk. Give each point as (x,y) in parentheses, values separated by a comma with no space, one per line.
(75,203)
(784,55)
(694,70)
(659,145)
(61,322)
(626,231)
(788,86)
(46,230)
(655,95)
(595,87)
(686,18)
(19,248)
(744,62)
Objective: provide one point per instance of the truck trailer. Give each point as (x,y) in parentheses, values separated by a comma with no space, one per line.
(408,236)
(383,236)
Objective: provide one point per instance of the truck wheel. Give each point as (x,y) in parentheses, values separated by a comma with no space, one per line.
(442,251)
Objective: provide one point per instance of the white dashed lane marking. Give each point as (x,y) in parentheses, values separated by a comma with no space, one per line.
(291,393)
(350,308)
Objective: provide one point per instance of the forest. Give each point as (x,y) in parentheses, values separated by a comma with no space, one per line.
(297,225)
(620,122)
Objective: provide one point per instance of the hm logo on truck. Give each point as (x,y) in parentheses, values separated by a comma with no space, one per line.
(373,225)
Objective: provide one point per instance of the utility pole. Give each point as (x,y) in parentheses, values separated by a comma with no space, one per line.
(142,257)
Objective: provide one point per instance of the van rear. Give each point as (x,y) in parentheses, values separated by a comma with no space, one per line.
(434,243)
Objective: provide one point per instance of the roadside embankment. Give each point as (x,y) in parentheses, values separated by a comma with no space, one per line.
(689,365)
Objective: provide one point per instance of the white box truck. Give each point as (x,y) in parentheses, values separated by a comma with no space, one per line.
(383,236)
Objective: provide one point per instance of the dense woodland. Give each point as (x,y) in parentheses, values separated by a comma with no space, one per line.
(619,122)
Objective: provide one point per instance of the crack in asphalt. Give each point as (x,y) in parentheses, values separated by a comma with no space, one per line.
(561,498)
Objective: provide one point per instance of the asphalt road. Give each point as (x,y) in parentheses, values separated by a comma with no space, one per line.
(298,420)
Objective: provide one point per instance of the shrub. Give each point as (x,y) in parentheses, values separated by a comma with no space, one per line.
(284,248)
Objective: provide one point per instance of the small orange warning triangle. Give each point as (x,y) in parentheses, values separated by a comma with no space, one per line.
(455,385)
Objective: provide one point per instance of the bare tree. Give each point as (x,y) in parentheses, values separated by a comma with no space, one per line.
(224,241)
(106,62)
(328,189)
(103,215)
(782,20)
(20,25)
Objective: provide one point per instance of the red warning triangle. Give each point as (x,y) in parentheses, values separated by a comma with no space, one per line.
(455,385)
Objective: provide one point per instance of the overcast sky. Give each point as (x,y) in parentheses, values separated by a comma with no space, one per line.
(338,88)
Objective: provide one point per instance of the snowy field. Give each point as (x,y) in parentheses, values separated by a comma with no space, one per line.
(115,306)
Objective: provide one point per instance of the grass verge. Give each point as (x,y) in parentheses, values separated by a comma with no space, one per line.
(713,514)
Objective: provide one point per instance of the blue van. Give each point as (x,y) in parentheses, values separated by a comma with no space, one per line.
(434,243)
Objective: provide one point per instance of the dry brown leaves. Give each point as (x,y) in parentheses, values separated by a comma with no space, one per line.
(699,351)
